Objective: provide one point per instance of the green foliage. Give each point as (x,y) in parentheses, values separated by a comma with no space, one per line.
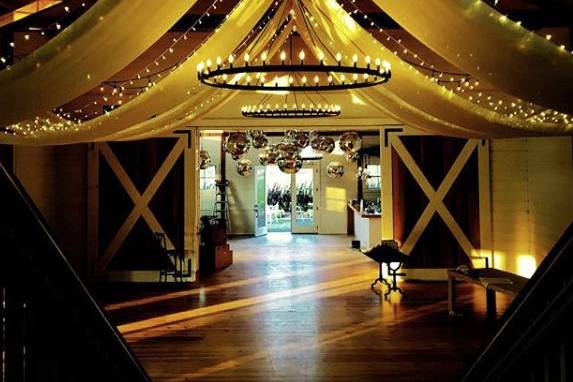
(281,196)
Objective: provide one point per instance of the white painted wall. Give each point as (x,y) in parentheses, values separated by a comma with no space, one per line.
(532,199)
(334,194)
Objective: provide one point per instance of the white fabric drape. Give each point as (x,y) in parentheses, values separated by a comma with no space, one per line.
(179,87)
(410,89)
(481,41)
(110,35)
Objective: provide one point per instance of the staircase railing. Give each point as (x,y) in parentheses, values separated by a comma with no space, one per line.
(51,328)
(535,339)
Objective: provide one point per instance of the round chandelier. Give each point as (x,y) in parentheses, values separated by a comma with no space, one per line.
(312,111)
(292,70)
(293,76)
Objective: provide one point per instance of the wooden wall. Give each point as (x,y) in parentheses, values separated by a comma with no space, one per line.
(55,179)
(532,199)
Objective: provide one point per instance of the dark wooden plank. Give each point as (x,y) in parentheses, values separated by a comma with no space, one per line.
(295,308)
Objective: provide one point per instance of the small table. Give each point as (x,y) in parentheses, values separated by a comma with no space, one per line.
(509,283)
(388,253)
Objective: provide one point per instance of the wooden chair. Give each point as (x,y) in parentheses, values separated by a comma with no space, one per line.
(175,262)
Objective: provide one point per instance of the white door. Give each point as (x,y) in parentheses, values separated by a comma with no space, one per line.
(305,198)
(260,201)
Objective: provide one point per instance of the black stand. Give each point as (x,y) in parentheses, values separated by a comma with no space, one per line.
(393,273)
(388,253)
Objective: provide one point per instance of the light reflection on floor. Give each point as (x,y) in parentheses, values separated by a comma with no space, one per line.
(300,308)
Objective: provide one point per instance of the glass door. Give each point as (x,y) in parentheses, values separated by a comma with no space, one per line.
(304,200)
(260,201)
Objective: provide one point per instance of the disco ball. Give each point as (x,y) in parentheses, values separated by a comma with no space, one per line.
(335,169)
(351,157)
(204,159)
(315,143)
(272,153)
(258,139)
(327,144)
(236,157)
(300,139)
(237,144)
(264,158)
(288,150)
(350,142)
(244,167)
(321,143)
(289,165)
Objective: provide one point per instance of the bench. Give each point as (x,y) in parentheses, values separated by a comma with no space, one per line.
(491,279)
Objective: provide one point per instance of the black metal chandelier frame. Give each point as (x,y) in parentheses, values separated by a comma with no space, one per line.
(360,77)
(291,113)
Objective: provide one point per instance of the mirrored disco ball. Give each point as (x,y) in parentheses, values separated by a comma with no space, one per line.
(264,158)
(327,145)
(289,165)
(350,142)
(204,159)
(315,143)
(236,157)
(300,139)
(237,144)
(258,139)
(272,154)
(244,167)
(335,169)
(321,143)
(351,157)
(288,150)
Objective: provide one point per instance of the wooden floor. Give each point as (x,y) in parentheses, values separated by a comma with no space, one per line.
(298,308)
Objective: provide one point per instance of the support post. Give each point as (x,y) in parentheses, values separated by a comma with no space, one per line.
(191,201)
(485,215)
(386,200)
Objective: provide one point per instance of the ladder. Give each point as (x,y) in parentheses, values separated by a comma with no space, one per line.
(221,204)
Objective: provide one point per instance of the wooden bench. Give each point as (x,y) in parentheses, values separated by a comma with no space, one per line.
(491,279)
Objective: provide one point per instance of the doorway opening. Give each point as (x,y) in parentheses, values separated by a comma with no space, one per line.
(278,207)
(292,199)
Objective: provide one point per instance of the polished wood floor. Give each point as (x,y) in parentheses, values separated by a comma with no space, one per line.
(298,308)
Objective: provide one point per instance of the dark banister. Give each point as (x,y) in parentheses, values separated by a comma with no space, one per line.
(52,328)
(536,326)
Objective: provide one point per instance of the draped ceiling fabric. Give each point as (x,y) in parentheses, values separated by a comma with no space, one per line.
(209,98)
(107,37)
(179,87)
(410,88)
(180,99)
(388,102)
(481,41)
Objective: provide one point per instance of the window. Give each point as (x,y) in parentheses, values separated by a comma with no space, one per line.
(207,178)
(373,181)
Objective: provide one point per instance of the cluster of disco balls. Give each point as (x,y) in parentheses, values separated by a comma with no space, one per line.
(287,153)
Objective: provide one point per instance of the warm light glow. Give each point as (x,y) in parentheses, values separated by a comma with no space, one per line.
(526,265)
(27,10)
(335,199)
